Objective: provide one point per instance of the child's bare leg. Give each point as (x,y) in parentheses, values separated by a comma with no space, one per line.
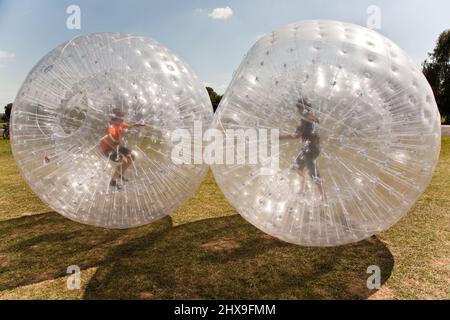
(116,173)
(318,182)
(126,164)
(315,176)
(320,189)
(121,168)
(302,180)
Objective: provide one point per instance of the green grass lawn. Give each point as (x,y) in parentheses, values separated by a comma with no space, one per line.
(206,250)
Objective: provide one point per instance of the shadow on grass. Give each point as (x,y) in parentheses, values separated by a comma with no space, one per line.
(227,258)
(41,247)
(216,258)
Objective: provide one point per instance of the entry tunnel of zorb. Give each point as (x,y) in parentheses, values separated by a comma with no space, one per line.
(359,129)
(65,106)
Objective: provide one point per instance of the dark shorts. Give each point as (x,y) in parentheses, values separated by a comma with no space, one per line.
(307,158)
(115,155)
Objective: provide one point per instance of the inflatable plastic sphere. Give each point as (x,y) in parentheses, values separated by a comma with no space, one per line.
(359,133)
(91,129)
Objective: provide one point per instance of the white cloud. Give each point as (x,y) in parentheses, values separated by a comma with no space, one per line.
(221,13)
(6,55)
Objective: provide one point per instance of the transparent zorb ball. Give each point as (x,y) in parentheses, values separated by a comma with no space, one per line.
(70,100)
(359,133)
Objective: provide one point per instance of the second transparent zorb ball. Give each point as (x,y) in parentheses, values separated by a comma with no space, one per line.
(359,133)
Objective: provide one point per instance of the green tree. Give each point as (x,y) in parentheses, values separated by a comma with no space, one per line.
(437,71)
(215,97)
(7,113)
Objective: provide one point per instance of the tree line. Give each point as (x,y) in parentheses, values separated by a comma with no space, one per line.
(437,71)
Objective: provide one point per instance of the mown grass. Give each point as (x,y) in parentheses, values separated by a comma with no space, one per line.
(205,250)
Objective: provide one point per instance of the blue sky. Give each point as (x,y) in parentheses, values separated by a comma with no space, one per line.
(212,42)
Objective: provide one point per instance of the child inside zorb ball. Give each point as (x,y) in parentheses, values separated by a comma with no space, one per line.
(366,140)
(111,146)
(72,130)
(308,132)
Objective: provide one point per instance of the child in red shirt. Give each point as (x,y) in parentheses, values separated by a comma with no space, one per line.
(110,145)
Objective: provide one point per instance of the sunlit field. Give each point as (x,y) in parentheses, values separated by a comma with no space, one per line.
(206,250)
